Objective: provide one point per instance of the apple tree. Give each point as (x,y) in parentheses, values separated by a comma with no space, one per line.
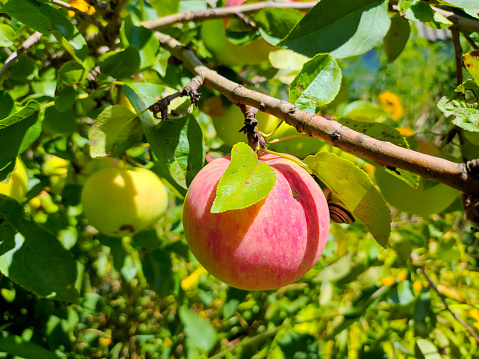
(118,217)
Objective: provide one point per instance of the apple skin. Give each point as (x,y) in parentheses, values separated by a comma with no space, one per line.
(120,202)
(16,187)
(57,169)
(267,245)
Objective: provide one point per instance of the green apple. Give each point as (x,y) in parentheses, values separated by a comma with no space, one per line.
(120,202)
(57,169)
(16,187)
(232,120)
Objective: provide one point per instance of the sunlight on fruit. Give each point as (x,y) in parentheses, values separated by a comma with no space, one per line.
(16,187)
(120,202)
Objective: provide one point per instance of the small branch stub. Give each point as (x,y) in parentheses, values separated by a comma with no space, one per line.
(250,128)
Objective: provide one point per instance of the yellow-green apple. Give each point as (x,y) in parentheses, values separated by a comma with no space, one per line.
(227,126)
(120,202)
(428,198)
(57,169)
(16,187)
(267,245)
(299,147)
(215,40)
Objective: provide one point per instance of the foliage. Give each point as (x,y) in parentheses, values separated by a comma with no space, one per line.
(80,85)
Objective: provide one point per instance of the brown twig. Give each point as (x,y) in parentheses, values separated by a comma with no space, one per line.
(455,175)
(220,13)
(21,49)
(471,42)
(457,53)
(190,90)
(443,298)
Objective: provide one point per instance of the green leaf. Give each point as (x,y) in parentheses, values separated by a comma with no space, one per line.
(426,350)
(467,4)
(48,20)
(178,144)
(143,39)
(165,7)
(336,270)
(274,24)
(12,137)
(356,190)
(199,333)
(396,38)
(7,34)
(422,12)
(115,130)
(19,347)
(32,257)
(343,28)
(467,115)
(470,85)
(245,182)
(383,132)
(71,73)
(158,273)
(7,104)
(66,99)
(317,84)
(30,108)
(121,64)
(471,61)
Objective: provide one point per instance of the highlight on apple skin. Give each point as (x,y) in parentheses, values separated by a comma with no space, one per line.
(267,245)
(120,202)
(16,187)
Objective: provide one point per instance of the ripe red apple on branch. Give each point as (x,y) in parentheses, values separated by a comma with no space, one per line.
(267,245)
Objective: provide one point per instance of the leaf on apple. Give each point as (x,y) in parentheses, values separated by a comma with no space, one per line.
(356,190)
(115,130)
(245,182)
(383,132)
(32,256)
(317,83)
(343,28)
(471,61)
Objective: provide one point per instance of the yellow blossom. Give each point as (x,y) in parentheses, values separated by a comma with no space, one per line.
(401,276)
(417,285)
(475,314)
(388,281)
(193,279)
(81,5)
(392,104)
(476,324)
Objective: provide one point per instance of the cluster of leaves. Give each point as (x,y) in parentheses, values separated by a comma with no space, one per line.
(146,296)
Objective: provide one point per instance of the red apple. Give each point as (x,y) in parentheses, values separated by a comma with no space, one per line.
(264,246)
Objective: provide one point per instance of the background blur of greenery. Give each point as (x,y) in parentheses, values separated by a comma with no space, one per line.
(141,297)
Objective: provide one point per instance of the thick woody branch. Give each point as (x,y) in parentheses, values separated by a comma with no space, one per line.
(455,175)
(220,13)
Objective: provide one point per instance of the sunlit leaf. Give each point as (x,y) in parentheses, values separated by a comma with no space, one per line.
(245,182)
